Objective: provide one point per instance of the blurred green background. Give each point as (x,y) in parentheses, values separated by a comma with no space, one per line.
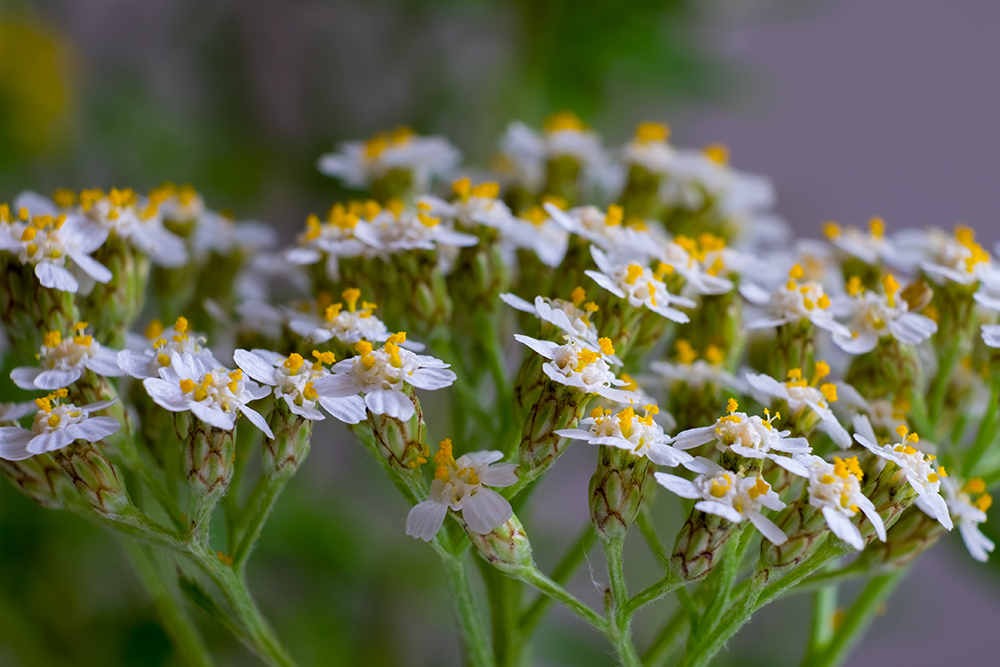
(239,98)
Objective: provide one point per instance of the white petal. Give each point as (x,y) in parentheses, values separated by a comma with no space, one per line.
(135,364)
(257,368)
(92,267)
(213,416)
(704,466)
(485,510)
(575,434)
(95,428)
(979,545)
(257,420)
(606,282)
(934,505)
(166,394)
(336,386)
(868,508)
(24,377)
(546,348)
(500,475)
(843,528)
(863,427)
(862,343)
(431,378)
(56,379)
(694,437)
(678,485)
(767,385)
(105,363)
(719,509)
(49,442)
(391,403)
(665,455)
(425,519)
(791,465)
(348,409)
(56,277)
(14,443)
(768,528)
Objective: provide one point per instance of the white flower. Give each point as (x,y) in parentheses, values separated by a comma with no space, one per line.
(11,412)
(792,303)
(401,230)
(568,316)
(695,372)
(970,514)
(576,365)
(461,485)
(148,355)
(55,426)
(346,326)
(835,489)
(799,395)
(872,247)
(698,175)
(136,220)
(63,361)
(916,466)
(213,395)
(991,334)
(606,231)
(873,316)
(729,495)
(650,150)
(473,206)
(750,437)
(626,430)
(50,241)
(333,237)
(538,232)
(700,262)
(359,163)
(380,376)
(637,283)
(565,135)
(956,258)
(293,380)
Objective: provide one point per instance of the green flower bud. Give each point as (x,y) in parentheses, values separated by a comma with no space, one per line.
(39,478)
(209,456)
(28,310)
(95,478)
(557,407)
(506,547)
(699,544)
(283,455)
(616,491)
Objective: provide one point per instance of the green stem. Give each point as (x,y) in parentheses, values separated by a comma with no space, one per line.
(566,567)
(260,637)
(821,627)
(504,596)
(476,645)
(987,429)
(661,647)
(857,620)
(644,521)
(946,362)
(535,578)
(258,507)
(732,558)
(618,616)
(169,607)
(668,583)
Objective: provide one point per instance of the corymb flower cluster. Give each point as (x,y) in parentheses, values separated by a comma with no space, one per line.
(644,299)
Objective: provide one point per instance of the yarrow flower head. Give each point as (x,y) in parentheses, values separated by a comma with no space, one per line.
(136,220)
(697,372)
(54,243)
(293,380)
(835,489)
(571,316)
(215,395)
(399,229)
(638,284)
(381,375)
(792,303)
(873,316)
(461,485)
(333,237)
(64,360)
(918,468)
(537,231)
(347,322)
(55,426)
(564,135)
(155,350)
(700,261)
(576,365)
(969,504)
(747,436)
(359,163)
(815,395)
(629,431)
(729,495)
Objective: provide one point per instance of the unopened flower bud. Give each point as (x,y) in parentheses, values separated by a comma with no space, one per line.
(699,544)
(616,491)
(401,443)
(96,479)
(209,454)
(557,407)
(910,536)
(39,478)
(506,547)
(283,455)
(28,309)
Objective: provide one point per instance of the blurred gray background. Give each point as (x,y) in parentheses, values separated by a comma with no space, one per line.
(854,108)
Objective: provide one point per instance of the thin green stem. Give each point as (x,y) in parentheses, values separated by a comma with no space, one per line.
(169,607)
(566,567)
(258,508)
(821,628)
(664,642)
(644,521)
(504,598)
(987,429)
(858,618)
(946,362)
(732,558)
(260,637)
(668,583)
(476,645)
(535,578)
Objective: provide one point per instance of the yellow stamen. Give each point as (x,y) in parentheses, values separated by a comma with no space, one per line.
(52,339)
(351,296)
(293,363)
(154,329)
(685,353)
(891,287)
(634,271)
(877,227)
(797,272)
(614,216)
(606,346)
(187,386)
(829,391)
(831,230)
(975,485)
(650,132)
(717,153)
